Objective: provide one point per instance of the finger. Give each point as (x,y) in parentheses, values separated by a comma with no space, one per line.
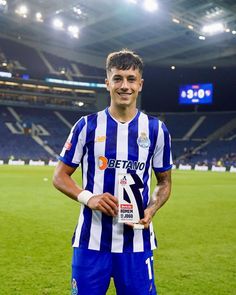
(145,222)
(107,208)
(111,201)
(111,198)
(113,205)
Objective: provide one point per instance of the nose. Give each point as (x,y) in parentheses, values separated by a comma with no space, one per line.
(124,85)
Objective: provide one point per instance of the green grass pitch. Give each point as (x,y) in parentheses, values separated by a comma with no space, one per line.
(195,230)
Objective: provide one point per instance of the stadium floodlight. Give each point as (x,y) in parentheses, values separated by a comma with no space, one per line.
(58,24)
(234,32)
(213,28)
(214,67)
(175,20)
(172,68)
(62,71)
(3,2)
(214,12)
(3,6)
(22,11)
(39,17)
(201,37)
(80,103)
(133,1)
(77,10)
(150,5)
(73,31)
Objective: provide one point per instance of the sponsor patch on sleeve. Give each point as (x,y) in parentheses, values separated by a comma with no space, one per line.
(68,145)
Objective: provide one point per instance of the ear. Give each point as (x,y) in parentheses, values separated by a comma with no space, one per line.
(107,84)
(141,85)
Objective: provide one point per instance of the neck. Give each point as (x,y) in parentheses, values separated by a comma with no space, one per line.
(123,114)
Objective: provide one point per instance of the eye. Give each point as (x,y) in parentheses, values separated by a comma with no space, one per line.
(132,79)
(116,79)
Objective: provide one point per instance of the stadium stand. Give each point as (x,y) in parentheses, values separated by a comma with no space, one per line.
(180,124)
(22,59)
(211,123)
(35,120)
(203,138)
(39,134)
(28,133)
(73,69)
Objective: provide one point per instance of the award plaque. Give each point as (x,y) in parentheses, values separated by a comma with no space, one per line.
(130,199)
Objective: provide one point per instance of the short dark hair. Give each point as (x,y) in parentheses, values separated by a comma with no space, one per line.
(124,60)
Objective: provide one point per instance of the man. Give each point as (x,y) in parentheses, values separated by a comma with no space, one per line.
(113,146)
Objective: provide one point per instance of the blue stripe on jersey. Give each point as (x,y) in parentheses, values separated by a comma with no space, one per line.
(133,153)
(153,124)
(109,181)
(90,138)
(166,151)
(69,154)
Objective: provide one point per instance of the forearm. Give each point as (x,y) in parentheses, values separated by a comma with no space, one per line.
(159,197)
(161,192)
(64,183)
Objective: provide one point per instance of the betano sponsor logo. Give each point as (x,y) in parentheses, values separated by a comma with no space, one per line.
(104,163)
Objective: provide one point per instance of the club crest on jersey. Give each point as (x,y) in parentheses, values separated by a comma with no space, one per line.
(74,289)
(143,141)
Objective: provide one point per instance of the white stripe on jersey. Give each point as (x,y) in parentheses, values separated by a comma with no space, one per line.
(79,226)
(79,146)
(121,153)
(143,154)
(96,226)
(152,236)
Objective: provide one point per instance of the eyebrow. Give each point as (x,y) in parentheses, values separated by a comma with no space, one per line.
(120,76)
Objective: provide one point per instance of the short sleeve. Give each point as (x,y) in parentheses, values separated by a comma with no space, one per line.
(162,159)
(72,151)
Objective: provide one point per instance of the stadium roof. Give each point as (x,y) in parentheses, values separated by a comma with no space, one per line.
(168,36)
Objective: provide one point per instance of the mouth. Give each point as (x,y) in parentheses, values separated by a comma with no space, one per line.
(124,94)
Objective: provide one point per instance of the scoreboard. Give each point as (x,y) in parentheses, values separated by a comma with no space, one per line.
(196,94)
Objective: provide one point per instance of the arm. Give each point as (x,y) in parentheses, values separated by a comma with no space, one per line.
(63,181)
(160,195)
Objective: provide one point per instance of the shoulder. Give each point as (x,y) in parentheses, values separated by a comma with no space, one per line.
(156,125)
(149,117)
(154,122)
(85,120)
(94,116)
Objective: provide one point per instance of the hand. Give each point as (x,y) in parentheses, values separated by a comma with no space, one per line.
(146,220)
(148,214)
(106,203)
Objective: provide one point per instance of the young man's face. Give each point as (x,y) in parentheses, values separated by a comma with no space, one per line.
(124,86)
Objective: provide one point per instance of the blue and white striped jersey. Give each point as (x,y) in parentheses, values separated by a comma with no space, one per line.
(106,148)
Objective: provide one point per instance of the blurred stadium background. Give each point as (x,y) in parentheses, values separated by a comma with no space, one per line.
(52,59)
